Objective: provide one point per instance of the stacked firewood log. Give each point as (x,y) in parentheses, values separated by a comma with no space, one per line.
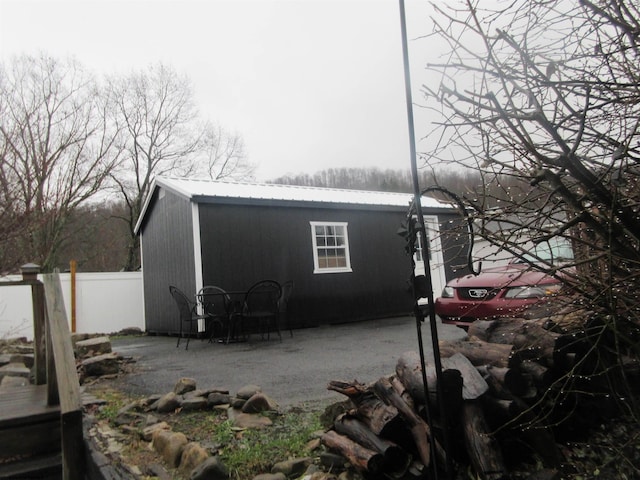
(506,389)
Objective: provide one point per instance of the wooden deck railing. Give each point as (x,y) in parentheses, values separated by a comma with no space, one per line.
(61,370)
(54,364)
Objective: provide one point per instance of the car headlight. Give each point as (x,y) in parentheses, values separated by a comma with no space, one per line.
(533,291)
(447,292)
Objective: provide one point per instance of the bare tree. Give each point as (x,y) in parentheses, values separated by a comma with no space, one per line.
(543,98)
(549,93)
(163,135)
(57,150)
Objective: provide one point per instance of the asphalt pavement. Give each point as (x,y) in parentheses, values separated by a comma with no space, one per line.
(293,372)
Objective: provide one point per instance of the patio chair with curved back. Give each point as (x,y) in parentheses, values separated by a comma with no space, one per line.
(261,307)
(283,305)
(188,313)
(216,303)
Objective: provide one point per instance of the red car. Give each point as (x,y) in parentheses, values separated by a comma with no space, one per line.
(505,291)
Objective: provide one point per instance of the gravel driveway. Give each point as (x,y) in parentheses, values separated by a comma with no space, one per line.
(293,372)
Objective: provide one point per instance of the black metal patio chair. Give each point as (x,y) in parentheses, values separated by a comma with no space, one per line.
(283,305)
(216,303)
(261,307)
(188,310)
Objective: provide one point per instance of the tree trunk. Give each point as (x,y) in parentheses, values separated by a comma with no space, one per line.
(381,418)
(359,456)
(409,372)
(528,337)
(396,460)
(419,429)
(480,352)
(484,452)
(508,377)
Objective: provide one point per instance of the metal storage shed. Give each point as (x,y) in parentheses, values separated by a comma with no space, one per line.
(231,234)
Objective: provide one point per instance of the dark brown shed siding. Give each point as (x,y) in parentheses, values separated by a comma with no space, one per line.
(243,244)
(168,259)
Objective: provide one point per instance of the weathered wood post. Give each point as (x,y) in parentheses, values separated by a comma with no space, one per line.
(68,386)
(30,273)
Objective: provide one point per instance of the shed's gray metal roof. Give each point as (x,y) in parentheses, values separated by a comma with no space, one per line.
(196,188)
(200,189)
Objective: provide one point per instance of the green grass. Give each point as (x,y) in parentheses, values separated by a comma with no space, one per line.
(114,402)
(254,451)
(247,453)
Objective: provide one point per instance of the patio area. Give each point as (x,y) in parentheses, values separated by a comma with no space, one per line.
(292,372)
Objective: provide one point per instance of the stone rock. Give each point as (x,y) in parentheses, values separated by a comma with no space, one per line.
(217,390)
(270,476)
(151,420)
(126,418)
(192,455)
(195,403)
(157,471)
(14,370)
(93,346)
(28,348)
(147,432)
(250,420)
(184,385)
(169,446)
(313,444)
(195,393)
(27,359)
(152,401)
(248,391)
(237,403)
(8,382)
(106,364)
(128,407)
(78,337)
(322,476)
(259,403)
(211,469)
(168,403)
(130,331)
(217,398)
(5,359)
(293,467)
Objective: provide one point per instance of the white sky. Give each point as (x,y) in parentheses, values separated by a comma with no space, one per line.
(308,84)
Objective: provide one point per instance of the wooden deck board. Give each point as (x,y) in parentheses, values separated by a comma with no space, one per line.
(26,404)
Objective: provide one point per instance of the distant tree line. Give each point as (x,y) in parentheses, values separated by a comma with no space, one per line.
(469,182)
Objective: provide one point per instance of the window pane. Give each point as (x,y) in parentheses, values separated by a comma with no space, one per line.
(322,258)
(331,245)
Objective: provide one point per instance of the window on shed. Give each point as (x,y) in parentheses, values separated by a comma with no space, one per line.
(330,247)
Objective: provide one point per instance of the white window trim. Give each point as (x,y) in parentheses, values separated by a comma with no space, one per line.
(316,263)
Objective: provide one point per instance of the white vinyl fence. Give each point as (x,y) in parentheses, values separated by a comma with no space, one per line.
(105,303)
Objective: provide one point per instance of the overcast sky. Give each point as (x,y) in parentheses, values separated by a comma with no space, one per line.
(308,84)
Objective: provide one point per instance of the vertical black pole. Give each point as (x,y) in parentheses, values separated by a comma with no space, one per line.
(427,269)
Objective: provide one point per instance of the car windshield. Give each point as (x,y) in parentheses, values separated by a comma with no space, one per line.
(555,251)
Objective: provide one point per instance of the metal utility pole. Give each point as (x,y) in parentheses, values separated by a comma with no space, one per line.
(429,284)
